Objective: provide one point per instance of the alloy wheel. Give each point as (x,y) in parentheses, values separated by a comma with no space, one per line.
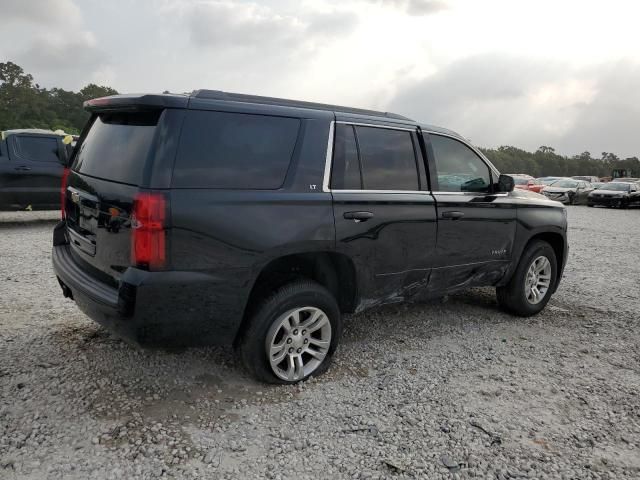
(537,280)
(298,342)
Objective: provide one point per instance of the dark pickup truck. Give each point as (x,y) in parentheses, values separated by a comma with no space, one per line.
(32,163)
(256,221)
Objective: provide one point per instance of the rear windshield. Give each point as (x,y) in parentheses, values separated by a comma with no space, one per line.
(234,150)
(117,146)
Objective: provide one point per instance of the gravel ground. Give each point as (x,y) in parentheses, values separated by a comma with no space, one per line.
(451,389)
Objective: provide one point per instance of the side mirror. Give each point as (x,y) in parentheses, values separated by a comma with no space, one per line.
(506,183)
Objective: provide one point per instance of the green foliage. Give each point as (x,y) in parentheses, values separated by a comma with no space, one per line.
(24,104)
(546,162)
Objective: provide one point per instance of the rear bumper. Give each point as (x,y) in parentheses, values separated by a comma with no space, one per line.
(155,308)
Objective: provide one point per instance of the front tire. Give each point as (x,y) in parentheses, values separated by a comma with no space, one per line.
(292,334)
(530,287)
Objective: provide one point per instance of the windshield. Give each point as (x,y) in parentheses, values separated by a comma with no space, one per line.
(565,184)
(520,180)
(615,186)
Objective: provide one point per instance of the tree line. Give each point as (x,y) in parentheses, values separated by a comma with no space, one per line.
(24,104)
(546,162)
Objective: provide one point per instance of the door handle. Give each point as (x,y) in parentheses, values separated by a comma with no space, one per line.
(452,215)
(358,216)
(23,168)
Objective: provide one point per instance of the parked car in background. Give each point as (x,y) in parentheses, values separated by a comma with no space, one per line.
(586,178)
(542,182)
(597,185)
(626,180)
(32,163)
(615,194)
(547,180)
(568,190)
(254,221)
(522,181)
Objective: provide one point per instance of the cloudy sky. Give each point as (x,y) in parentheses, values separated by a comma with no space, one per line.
(562,73)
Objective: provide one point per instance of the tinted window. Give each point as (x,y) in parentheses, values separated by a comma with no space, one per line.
(117,146)
(37,149)
(233,150)
(458,167)
(345,173)
(387,158)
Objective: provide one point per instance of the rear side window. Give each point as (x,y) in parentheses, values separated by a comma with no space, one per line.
(388,159)
(373,159)
(458,167)
(117,146)
(345,173)
(234,150)
(36,149)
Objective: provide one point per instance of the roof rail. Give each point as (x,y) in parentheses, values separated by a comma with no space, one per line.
(240,97)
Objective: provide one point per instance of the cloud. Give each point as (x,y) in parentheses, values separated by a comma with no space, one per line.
(55,45)
(55,52)
(504,100)
(226,24)
(417,7)
(609,122)
(44,12)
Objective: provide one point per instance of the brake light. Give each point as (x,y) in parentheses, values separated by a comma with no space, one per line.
(148,246)
(63,192)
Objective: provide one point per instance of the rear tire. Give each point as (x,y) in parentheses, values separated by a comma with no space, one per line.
(292,334)
(536,271)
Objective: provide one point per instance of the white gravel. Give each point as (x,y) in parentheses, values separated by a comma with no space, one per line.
(451,389)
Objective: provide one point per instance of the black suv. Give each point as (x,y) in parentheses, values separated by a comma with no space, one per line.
(255,221)
(31,168)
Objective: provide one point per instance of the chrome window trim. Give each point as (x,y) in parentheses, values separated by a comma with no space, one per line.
(341,122)
(329,159)
(474,149)
(482,157)
(475,194)
(409,192)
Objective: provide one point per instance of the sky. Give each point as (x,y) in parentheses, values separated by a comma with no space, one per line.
(527,73)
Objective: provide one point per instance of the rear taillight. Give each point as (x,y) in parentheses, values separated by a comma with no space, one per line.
(63,192)
(148,245)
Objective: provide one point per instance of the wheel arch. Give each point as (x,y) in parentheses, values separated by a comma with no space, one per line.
(335,271)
